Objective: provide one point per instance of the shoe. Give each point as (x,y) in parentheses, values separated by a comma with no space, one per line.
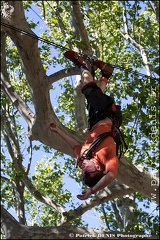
(75,58)
(106,68)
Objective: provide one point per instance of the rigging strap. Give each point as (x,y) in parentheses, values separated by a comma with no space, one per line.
(118,138)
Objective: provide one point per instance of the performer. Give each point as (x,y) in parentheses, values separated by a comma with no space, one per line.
(100,170)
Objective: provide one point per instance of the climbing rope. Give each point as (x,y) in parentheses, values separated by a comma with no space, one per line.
(89,58)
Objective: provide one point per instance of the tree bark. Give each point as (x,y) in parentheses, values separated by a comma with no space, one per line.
(40,83)
(14,230)
(131,177)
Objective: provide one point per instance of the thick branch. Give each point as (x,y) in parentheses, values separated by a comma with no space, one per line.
(139,179)
(79,102)
(62,74)
(10,226)
(116,189)
(22,107)
(28,50)
(9,90)
(78,21)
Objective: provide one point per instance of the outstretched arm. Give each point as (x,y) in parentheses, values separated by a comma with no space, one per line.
(71,142)
(104,181)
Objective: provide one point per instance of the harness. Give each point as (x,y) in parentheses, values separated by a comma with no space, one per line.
(118,138)
(115,132)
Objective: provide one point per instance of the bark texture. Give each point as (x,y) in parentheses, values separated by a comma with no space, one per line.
(15,230)
(130,178)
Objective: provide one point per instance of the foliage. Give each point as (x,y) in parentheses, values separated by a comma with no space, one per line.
(137,94)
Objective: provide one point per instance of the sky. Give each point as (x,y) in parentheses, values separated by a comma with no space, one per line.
(89,217)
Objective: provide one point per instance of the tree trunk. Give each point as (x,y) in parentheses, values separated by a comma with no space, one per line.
(140,180)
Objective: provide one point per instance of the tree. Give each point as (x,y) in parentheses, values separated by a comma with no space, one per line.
(116,32)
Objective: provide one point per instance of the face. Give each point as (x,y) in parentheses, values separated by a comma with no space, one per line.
(88,166)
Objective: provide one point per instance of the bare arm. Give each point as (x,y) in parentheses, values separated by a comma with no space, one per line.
(104,181)
(71,142)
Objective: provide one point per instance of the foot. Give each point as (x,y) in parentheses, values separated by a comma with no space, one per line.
(75,58)
(106,68)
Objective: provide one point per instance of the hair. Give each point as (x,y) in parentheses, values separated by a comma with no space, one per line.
(91,181)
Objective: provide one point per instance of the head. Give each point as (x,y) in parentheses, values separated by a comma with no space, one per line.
(92,172)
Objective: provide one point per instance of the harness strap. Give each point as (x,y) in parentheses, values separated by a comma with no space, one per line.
(118,138)
(96,142)
(122,139)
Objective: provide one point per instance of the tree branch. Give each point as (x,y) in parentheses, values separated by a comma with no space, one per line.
(60,22)
(78,21)
(63,74)
(79,103)
(29,53)
(116,189)
(40,197)
(136,178)
(139,179)
(134,43)
(126,208)
(105,217)
(10,226)
(10,92)
(30,158)
(117,215)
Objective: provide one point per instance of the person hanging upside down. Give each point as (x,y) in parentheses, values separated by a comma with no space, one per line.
(100,170)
